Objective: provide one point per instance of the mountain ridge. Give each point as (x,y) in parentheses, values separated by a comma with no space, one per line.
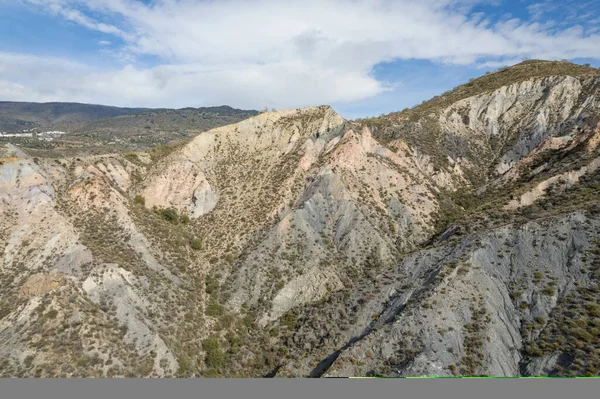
(63,129)
(298,244)
(74,112)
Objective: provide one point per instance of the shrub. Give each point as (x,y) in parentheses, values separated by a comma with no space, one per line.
(516,294)
(132,156)
(538,275)
(289,320)
(211,373)
(214,309)
(282,351)
(214,358)
(593,309)
(248,321)
(225,322)
(212,286)
(534,351)
(170,214)
(138,199)
(196,244)
(52,314)
(28,360)
(185,365)
(184,219)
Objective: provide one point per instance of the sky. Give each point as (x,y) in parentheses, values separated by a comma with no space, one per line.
(363,57)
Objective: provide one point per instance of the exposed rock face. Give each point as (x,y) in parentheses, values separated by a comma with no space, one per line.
(467,318)
(73,260)
(42,283)
(116,285)
(567,180)
(536,109)
(184,178)
(458,238)
(184,186)
(359,207)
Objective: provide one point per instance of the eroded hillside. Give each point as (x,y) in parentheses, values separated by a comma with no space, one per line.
(457,238)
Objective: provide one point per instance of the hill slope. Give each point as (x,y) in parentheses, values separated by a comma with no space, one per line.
(19,116)
(462,241)
(66,129)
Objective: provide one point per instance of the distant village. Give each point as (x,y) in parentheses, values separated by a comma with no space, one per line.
(45,136)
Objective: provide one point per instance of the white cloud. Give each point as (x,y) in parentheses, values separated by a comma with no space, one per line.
(278,53)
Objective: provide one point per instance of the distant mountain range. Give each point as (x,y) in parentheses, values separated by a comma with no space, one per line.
(96,129)
(19,116)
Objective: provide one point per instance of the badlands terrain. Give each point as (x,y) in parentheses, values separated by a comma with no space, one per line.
(459,237)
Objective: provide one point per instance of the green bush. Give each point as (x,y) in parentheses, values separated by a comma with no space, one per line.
(248,320)
(214,358)
(225,322)
(52,314)
(289,320)
(593,309)
(29,360)
(212,286)
(170,214)
(538,275)
(185,366)
(196,244)
(184,219)
(516,294)
(138,199)
(132,156)
(534,351)
(214,309)
(211,373)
